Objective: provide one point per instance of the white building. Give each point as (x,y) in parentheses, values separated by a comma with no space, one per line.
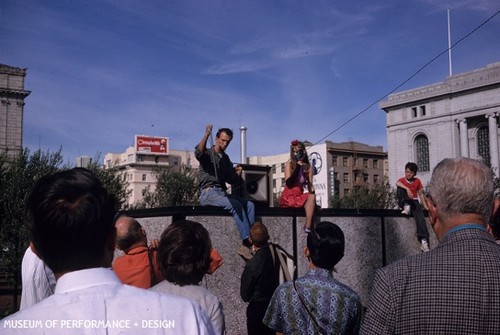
(454,118)
(137,167)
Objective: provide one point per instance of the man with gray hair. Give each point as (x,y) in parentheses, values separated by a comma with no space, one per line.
(454,288)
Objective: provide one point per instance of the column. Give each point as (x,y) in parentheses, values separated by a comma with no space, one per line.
(493,134)
(464,138)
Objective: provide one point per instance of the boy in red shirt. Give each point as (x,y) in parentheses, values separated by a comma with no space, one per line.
(408,188)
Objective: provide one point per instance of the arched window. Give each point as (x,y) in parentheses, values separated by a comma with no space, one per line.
(422,151)
(483,144)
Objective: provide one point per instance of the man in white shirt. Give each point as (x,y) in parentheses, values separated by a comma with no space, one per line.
(70,217)
(38,280)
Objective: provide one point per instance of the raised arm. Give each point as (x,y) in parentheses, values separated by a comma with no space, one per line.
(203,142)
(290,175)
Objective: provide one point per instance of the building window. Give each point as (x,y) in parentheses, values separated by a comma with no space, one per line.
(376,179)
(414,112)
(336,175)
(346,177)
(274,183)
(282,167)
(365,162)
(422,148)
(334,160)
(282,182)
(144,177)
(375,163)
(418,111)
(347,191)
(273,169)
(345,161)
(483,144)
(422,111)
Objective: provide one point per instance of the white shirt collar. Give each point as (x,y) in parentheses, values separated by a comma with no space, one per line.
(82,279)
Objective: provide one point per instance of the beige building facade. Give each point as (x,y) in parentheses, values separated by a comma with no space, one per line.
(12,95)
(137,167)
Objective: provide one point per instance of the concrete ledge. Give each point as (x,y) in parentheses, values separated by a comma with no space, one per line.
(374,238)
(261,211)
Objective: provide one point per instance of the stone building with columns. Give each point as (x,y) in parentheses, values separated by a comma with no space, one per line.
(454,118)
(12,95)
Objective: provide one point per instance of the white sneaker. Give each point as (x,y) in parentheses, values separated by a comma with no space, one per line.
(425,245)
(406,210)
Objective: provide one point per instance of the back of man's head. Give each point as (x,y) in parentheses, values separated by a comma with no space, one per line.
(326,244)
(69,215)
(184,252)
(129,232)
(259,234)
(462,186)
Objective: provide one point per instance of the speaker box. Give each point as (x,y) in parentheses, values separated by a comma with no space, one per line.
(256,184)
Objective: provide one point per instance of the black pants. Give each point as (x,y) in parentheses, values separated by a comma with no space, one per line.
(255,314)
(416,211)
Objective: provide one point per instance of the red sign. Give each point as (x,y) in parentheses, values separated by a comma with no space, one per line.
(150,144)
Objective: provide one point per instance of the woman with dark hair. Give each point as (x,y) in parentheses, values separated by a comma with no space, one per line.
(184,259)
(299,174)
(317,303)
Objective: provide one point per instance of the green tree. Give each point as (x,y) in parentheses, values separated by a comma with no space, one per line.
(17,176)
(380,196)
(172,188)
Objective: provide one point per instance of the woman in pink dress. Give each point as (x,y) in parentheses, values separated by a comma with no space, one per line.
(298,174)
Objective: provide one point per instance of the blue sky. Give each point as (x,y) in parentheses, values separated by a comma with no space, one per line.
(102,71)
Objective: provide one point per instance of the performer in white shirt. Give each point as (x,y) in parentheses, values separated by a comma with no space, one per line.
(70,218)
(38,280)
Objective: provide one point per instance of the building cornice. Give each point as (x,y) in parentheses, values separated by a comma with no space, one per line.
(357,147)
(13,93)
(12,70)
(473,80)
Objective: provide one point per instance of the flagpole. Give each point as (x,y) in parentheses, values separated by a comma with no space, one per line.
(449,42)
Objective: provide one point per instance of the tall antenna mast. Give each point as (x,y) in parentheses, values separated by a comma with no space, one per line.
(449,42)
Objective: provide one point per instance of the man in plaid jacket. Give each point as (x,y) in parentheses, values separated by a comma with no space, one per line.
(455,287)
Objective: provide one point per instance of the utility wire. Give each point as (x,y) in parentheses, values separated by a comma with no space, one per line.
(410,78)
